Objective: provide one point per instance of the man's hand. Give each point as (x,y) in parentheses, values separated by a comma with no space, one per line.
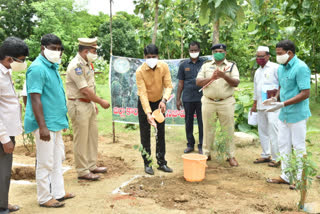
(8,147)
(269,101)
(97,110)
(179,104)
(163,107)
(219,74)
(151,120)
(253,109)
(275,106)
(44,134)
(214,77)
(104,104)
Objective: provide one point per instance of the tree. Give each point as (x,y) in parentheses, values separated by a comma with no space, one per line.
(217,11)
(156,11)
(62,19)
(16,18)
(124,37)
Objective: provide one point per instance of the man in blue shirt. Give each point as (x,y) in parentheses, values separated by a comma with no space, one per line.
(294,81)
(46,117)
(187,74)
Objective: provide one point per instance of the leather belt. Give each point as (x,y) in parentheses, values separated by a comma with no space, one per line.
(81,100)
(218,100)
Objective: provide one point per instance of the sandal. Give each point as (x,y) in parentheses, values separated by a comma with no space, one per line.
(66,197)
(262,160)
(52,203)
(274,163)
(13,208)
(276,181)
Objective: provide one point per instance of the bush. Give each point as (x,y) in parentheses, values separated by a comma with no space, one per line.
(244,102)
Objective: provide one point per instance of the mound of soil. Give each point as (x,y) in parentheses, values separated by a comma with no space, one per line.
(115,165)
(23,173)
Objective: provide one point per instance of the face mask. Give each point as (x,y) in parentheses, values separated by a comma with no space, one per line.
(52,56)
(261,61)
(18,66)
(152,62)
(194,55)
(92,57)
(282,59)
(219,56)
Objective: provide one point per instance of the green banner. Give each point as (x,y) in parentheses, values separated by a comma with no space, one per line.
(124,90)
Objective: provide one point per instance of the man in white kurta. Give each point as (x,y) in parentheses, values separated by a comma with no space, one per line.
(266,84)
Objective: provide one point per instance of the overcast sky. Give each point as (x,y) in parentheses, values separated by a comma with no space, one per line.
(95,6)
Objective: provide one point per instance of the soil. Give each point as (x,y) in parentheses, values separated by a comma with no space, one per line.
(225,190)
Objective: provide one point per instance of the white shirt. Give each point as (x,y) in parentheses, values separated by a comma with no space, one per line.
(265,78)
(10,110)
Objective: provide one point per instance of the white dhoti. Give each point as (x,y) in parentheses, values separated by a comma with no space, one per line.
(292,135)
(268,133)
(49,175)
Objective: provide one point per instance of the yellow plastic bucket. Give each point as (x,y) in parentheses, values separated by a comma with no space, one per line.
(194,167)
(158,116)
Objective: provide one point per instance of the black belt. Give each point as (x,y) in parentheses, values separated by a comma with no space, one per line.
(81,100)
(218,100)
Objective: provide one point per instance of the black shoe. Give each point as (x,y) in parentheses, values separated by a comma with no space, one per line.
(165,168)
(200,151)
(4,211)
(149,170)
(188,150)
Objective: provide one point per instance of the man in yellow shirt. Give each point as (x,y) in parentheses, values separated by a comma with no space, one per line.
(154,89)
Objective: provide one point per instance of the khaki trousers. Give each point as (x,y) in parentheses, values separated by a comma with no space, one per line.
(224,111)
(85,135)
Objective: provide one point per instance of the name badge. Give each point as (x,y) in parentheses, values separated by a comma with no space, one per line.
(187,69)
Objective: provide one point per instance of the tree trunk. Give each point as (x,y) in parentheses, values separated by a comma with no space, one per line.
(111,27)
(216,33)
(154,37)
(315,70)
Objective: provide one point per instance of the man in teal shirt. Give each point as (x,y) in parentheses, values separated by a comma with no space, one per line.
(294,81)
(46,117)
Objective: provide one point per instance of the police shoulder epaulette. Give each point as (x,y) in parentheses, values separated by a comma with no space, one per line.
(209,60)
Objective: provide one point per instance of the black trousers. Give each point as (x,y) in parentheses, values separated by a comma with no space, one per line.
(5,176)
(190,108)
(145,135)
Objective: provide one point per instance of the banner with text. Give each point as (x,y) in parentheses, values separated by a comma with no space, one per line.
(122,79)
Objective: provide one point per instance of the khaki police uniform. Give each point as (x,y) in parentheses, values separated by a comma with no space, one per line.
(82,113)
(218,103)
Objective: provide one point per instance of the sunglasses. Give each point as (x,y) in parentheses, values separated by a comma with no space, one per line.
(18,60)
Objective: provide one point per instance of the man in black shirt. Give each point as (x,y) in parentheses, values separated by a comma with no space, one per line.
(188,71)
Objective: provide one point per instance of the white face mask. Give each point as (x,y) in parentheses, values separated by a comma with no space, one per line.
(282,59)
(194,55)
(152,62)
(92,57)
(18,66)
(52,56)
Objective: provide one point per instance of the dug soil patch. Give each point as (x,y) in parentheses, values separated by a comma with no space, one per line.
(219,192)
(23,173)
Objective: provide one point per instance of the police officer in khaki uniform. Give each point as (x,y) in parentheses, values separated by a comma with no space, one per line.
(218,78)
(80,87)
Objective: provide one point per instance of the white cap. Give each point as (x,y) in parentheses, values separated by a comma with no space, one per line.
(263,48)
